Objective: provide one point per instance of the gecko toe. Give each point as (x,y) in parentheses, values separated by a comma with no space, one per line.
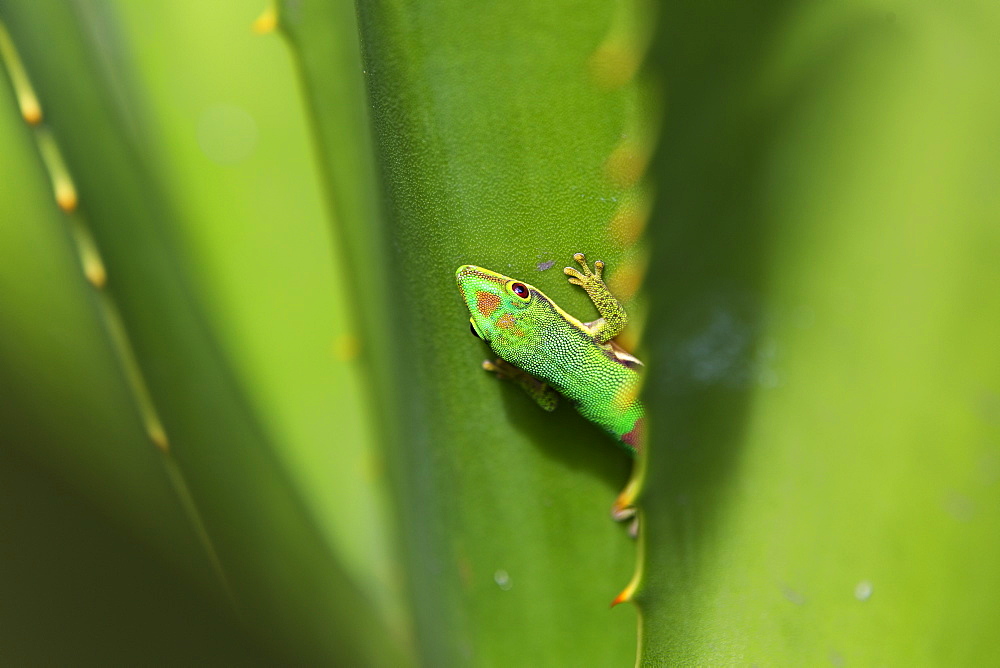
(582,260)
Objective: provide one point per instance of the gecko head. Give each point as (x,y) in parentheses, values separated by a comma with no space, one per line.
(496,302)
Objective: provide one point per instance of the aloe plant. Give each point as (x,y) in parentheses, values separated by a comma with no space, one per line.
(291,417)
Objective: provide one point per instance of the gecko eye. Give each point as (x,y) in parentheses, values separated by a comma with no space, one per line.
(472,328)
(520,289)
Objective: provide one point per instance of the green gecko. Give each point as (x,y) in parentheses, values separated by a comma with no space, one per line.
(549,352)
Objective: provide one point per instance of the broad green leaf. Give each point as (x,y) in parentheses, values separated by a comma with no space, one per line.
(225,477)
(498,135)
(229,139)
(823,310)
(824,474)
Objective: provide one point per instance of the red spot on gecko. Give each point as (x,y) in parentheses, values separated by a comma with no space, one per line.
(636,437)
(486,303)
(507,322)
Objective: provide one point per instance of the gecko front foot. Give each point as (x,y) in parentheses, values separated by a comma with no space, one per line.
(587,279)
(613,318)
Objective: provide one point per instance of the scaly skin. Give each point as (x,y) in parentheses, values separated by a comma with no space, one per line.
(549,352)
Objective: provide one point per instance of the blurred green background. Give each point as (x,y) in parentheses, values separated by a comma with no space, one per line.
(241,416)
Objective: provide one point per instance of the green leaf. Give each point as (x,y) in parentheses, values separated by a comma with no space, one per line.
(182,423)
(185,363)
(236,152)
(499,138)
(824,474)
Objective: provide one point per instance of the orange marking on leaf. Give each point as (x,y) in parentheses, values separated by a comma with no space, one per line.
(487,303)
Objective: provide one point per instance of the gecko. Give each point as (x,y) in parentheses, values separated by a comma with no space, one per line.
(550,353)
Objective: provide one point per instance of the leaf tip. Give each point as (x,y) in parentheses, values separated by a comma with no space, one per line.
(628,593)
(267,22)
(613,65)
(626,164)
(31,110)
(93,269)
(625,595)
(65,194)
(158,436)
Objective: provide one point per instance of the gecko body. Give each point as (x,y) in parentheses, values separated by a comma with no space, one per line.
(550,353)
